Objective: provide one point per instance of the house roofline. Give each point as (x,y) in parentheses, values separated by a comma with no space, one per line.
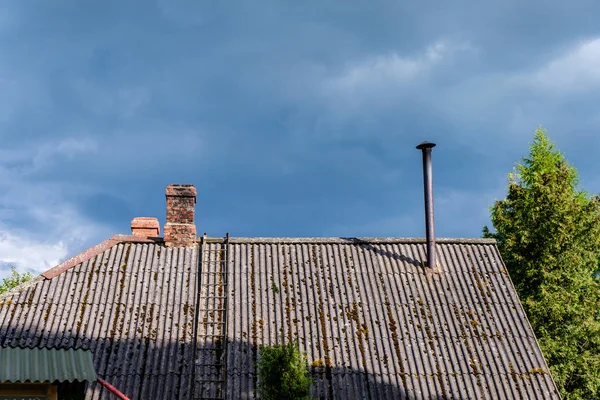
(116,239)
(94,251)
(341,240)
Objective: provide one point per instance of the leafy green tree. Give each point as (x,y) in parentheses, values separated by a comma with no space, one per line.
(548,232)
(14,280)
(283,373)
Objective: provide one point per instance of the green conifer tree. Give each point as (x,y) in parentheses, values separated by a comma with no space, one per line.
(548,232)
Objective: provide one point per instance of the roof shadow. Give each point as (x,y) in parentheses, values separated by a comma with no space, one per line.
(364,244)
(143,370)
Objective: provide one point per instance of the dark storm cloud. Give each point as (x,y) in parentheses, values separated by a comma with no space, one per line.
(291,119)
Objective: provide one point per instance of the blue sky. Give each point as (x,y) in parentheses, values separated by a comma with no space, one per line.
(291,119)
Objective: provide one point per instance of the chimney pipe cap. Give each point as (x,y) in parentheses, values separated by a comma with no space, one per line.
(425,145)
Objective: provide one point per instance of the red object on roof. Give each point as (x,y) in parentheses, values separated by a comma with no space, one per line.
(112,389)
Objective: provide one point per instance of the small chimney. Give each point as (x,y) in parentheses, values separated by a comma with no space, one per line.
(426,147)
(145,226)
(180,230)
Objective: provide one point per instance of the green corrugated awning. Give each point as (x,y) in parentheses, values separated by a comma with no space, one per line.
(18,365)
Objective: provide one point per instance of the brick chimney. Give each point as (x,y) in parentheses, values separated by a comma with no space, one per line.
(180,230)
(145,226)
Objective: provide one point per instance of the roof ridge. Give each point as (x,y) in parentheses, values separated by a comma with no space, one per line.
(335,240)
(119,238)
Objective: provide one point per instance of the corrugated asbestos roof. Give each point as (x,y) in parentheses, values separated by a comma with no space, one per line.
(374,322)
(132,306)
(45,365)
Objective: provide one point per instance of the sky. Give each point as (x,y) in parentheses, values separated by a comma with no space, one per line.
(290,118)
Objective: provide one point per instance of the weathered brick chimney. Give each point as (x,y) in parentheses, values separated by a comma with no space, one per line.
(145,226)
(180,230)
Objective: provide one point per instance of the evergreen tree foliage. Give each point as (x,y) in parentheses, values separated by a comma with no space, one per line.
(14,280)
(283,373)
(548,232)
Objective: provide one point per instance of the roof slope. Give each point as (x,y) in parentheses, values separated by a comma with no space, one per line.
(374,322)
(379,325)
(131,305)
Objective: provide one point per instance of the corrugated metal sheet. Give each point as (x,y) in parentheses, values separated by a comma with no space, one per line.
(45,365)
(374,322)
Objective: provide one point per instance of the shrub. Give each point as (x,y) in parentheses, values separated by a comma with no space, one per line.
(14,280)
(283,373)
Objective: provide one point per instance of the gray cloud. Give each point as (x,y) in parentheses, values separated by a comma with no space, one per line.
(291,119)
